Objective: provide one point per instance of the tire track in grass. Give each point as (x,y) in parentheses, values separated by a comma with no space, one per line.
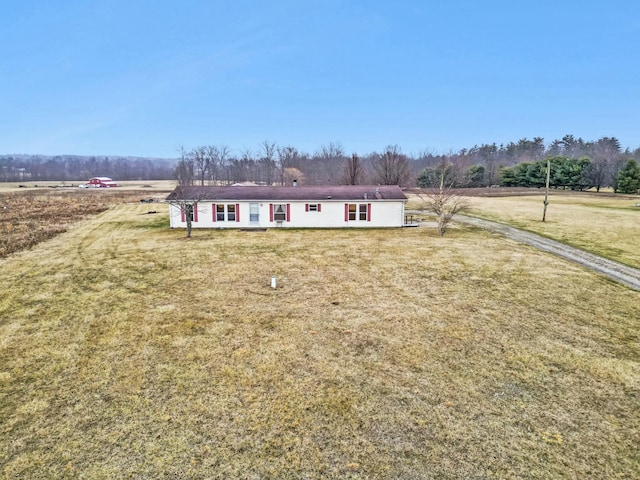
(618,272)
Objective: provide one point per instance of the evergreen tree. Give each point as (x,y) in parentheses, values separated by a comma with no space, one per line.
(629,177)
(427,178)
(507,176)
(474,176)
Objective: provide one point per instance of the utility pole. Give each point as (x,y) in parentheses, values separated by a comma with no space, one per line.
(546,190)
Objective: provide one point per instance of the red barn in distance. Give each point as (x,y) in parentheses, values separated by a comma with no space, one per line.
(100,182)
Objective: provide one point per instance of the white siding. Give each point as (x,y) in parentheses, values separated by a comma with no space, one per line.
(387,213)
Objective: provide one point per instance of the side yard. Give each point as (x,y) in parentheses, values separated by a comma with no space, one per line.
(606,225)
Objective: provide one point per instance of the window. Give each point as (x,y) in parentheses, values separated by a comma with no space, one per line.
(279,212)
(231,213)
(363,211)
(220,213)
(352,211)
(313,207)
(357,211)
(226,212)
(188,212)
(254,212)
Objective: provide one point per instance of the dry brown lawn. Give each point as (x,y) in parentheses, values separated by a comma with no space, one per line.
(604,224)
(128,351)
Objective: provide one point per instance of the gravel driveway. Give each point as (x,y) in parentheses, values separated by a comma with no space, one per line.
(616,271)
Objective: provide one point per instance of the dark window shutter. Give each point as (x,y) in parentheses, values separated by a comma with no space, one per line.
(213,212)
(182,217)
(288,212)
(368,212)
(306,207)
(237,212)
(195,212)
(271,212)
(346,212)
(319,207)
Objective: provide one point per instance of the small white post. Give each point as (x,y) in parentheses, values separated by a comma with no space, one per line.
(273,282)
(546,191)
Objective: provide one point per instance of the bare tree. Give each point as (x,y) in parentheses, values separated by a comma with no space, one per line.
(331,151)
(218,159)
(250,165)
(185,175)
(605,154)
(224,157)
(185,169)
(267,160)
(392,167)
(326,164)
(201,162)
(353,170)
(443,202)
(288,162)
(185,199)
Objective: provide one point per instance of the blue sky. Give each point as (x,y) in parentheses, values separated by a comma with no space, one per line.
(144,77)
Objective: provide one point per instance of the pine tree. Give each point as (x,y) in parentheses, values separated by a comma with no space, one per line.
(629,177)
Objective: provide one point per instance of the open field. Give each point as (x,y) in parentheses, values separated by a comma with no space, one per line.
(604,224)
(147,185)
(29,216)
(129,351)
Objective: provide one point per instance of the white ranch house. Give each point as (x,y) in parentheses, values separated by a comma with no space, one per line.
(336,206)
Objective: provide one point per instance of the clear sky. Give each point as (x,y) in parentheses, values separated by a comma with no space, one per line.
(144,77)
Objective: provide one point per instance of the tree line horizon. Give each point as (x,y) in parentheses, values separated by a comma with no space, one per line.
(575,164)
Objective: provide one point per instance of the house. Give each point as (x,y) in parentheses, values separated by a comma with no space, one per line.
(334,206)
(101,182)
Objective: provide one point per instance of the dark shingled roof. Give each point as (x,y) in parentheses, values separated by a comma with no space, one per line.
(302,193)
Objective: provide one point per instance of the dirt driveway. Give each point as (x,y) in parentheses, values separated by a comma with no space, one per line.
(614,270)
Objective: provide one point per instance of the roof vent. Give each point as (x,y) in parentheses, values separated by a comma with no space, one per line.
(328,197)
(365,195)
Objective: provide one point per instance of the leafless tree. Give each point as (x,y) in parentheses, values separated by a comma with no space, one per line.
(331,150)
(443,202)
(224,157)
(606,155)
(185,169)
(325,166)
(250,165)
(288,161)
(186,202)
(185,176)
(267,160)
(353,170)
(392,167)
(201,162)
(216,158)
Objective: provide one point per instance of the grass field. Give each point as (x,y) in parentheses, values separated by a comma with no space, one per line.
(605,225)
(29,216)
(128,351)
(148,185)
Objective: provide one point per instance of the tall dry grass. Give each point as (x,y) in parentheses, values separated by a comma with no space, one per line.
(31,216)
(129,351)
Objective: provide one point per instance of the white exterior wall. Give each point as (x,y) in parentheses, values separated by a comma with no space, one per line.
(384,213)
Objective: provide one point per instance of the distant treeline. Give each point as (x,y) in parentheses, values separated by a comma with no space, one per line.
(576,164)
(78,168)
